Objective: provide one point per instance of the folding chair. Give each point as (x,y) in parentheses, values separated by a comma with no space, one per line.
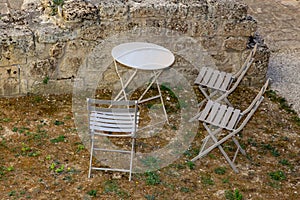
(213,82)
(118,119)
(217,117)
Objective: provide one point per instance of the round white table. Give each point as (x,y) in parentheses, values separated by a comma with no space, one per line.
(142,56)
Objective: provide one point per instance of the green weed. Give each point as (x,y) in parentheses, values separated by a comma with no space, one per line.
(233,195)
(60,138)
(220,170)
(151,162)
(46,80)
(190,164)
(58,123)
(207,180)
(152,178)
(150,197)
(92,193)
(277,175)
(111,186)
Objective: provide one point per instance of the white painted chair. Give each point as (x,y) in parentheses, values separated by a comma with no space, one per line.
(218,85)
(112,119)
(217,118)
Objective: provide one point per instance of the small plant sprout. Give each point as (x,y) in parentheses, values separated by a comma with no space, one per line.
(220,170)
(152,178)
(233,195)
(277,175)
(190,164)
(92,193)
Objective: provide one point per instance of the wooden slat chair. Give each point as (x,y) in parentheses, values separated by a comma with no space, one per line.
(213,82)
(217,117)
(118,119)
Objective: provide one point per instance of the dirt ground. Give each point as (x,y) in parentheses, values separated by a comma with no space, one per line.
(42,157)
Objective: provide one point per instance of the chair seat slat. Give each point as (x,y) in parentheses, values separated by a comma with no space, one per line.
(213,112)
(207,76)
(206,110)
(219,115)
(234,119)
(112,116)
(226,82)
(201,75)
(226,117)
(112,129)
(220,80)
(213,78)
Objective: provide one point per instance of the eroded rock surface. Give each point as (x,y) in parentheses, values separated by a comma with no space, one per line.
(55,38)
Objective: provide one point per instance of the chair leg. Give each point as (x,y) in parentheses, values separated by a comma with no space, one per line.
(91,156)
(205,140)
(239,146)
(131,157)
(212,136)
(223,152)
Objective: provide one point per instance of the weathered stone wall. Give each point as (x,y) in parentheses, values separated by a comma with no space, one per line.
(43,45)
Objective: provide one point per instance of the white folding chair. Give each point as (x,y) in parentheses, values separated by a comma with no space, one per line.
(213,82)
(217,117)
(112,119)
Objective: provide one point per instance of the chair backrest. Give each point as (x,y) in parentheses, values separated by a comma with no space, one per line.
(241,73)
(254,105)
(246,65)
(113,117)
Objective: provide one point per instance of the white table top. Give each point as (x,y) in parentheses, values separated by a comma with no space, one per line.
(142,55)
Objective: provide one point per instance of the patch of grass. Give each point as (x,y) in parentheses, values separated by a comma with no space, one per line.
(6,119)
(252,142)
(58,123)
(191,152)
(285,162)
(60,138)
(185,189)
(277,175)
(166,87)
(296,119)
(225,180)
(150,196)
(80,147)
(220,170)
(60,169)
(207,180)
(233,195)
(190,164)
(152,178)
(111,186)
(274,184)
(151,162)
(56,167)
(46,80)
(272,149)
(92,193)
(178,166)
(12,193)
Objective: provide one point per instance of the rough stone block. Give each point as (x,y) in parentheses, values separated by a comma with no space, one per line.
(43,68)
(4,9)
(76,11)
(53,34)
(15,45)
(113,10)
(242,28)
(236,43)
(9,80)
